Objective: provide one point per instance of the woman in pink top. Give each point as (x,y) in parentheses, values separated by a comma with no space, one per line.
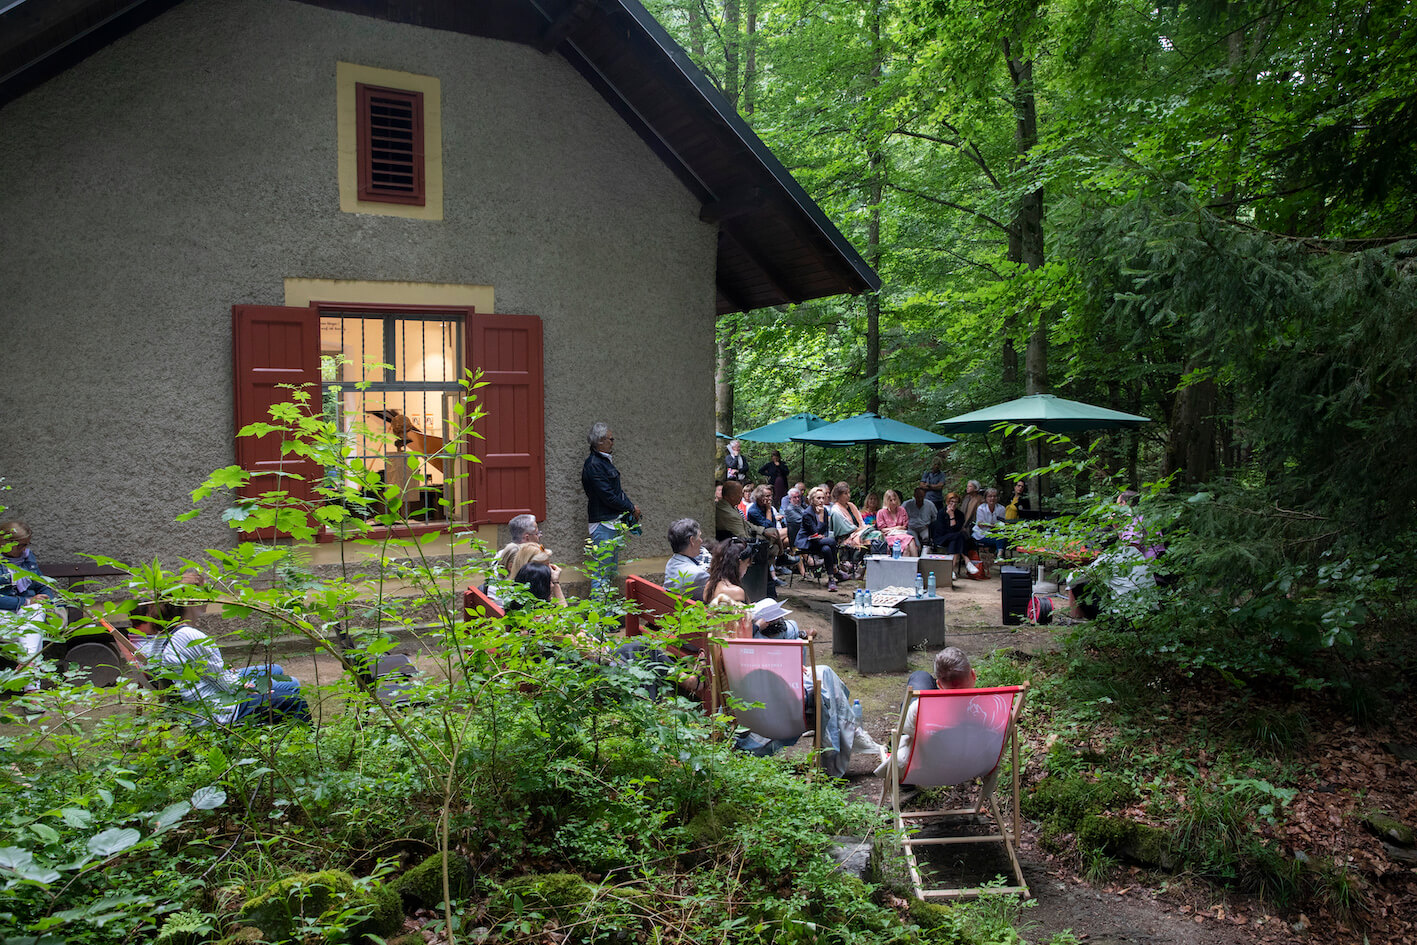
(894,523)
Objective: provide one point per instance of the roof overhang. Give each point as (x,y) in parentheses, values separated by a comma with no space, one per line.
(775,245)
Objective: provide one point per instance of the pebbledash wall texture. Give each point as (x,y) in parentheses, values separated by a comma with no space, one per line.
(192,165)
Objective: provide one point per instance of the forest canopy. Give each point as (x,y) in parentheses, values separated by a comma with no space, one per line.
(1202,212)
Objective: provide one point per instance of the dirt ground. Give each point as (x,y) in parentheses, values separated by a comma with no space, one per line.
(1115,915)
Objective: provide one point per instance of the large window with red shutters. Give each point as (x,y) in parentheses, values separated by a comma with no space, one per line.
(389,379)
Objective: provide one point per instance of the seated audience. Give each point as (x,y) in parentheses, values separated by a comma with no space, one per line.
(987,518)
(764,518)
(23,593)
(841,735)
(815,536)
(725,586)
(791,511)
(746,499)
(922,514)
(950,532)
(1018,502)
(168,646)
(951,671)
(848,526)
(894,523)
(728,521)
(869,508)
(971,500)
(687,570)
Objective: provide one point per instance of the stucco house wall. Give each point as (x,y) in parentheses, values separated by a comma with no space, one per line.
(191,165)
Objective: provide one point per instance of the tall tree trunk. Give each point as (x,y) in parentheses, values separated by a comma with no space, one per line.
(873,253)
(725,364)
(1191,446)
(723,377)
(1026,244)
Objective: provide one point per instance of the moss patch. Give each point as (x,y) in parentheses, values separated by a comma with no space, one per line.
(330,898)
(1118,836)
(563,895)
(422,886)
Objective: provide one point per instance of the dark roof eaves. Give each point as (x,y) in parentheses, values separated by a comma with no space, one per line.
(748,138)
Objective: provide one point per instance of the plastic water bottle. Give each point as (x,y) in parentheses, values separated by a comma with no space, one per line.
(895,549)
(856,602)
(932,583)
(856,709)
(919,585)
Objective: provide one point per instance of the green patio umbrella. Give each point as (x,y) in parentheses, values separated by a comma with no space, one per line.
(782,431)
(871,430)
(1045,411)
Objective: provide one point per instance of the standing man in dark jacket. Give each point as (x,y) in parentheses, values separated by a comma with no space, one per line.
(607,506)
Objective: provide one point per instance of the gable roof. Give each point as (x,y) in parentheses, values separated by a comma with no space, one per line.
(775,245)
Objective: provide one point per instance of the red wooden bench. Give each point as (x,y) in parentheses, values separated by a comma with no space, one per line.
(477,604)
(649,600)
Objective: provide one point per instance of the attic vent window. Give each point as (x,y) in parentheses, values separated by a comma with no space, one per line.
(390,145)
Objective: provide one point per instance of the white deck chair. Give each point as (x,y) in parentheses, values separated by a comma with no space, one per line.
(770,672)
(960,735)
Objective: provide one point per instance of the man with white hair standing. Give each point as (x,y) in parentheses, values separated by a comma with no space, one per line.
(607,505)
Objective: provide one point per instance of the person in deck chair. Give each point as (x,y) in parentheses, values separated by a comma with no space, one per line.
(952,671)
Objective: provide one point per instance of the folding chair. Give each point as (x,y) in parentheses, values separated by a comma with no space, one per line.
(769,672)
(960,735)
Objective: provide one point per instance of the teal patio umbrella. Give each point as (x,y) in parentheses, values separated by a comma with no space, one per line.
(1045,411)
(871,430)
(782,431)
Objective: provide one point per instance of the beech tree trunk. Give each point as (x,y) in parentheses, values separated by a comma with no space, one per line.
(1026,245)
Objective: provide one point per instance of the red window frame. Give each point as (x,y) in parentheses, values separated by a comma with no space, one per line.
(274,345)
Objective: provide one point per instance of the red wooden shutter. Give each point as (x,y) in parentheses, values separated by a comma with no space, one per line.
(510,478)
(273,346)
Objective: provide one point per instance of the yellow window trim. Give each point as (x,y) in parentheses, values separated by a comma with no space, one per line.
(347,75)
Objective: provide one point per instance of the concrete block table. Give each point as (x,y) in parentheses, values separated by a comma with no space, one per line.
(924,621)
(942,566)
(885,571)
(879,639)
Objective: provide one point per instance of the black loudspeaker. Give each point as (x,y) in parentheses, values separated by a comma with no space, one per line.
(1015,587)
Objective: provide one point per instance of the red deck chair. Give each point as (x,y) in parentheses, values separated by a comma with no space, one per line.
(770,672)
(960,735)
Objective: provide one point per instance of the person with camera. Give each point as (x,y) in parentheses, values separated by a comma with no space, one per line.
(725,586)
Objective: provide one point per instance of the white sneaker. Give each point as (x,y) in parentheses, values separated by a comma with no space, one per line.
(970,566)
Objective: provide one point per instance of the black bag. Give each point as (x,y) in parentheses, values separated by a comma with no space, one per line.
(879,547)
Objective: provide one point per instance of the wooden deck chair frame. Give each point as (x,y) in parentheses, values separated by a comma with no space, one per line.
(722,682)
(1005,824)
(649,601)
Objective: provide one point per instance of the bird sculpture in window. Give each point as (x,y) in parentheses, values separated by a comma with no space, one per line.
(409,436)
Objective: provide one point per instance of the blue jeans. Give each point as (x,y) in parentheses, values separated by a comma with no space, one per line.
(604,572)
(282,700)
(999,545)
